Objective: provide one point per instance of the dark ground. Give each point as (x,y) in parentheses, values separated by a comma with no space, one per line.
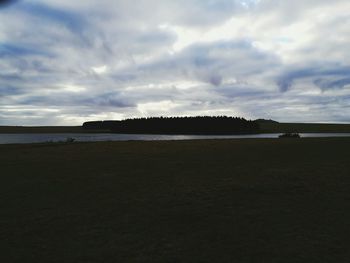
(259,200)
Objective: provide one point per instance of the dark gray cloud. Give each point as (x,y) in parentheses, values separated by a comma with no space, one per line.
(320,74)
(5,3)
(325,84)
(212,63)
(73,21)
(9,50)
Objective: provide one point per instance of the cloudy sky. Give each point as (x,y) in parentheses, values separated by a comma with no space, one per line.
(63,62)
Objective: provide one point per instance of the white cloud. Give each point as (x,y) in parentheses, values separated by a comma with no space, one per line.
(100,70)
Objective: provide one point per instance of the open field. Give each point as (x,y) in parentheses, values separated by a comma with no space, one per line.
(258,200)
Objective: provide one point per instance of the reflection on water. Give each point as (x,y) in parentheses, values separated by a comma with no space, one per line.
(37,138)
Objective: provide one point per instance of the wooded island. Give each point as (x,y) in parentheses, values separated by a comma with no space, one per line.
(200,125)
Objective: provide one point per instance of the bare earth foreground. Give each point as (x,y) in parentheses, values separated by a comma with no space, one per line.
(259,200)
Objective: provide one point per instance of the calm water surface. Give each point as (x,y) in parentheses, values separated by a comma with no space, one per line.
(37,138)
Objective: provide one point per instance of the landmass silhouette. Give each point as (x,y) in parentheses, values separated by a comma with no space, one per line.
(199,125)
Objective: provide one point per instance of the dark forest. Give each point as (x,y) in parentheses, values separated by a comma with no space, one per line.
(200,125)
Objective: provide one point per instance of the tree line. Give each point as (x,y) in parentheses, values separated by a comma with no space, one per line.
(199,125)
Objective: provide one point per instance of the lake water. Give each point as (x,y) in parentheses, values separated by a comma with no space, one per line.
(81,137)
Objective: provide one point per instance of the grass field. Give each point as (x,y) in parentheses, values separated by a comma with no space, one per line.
(259,200)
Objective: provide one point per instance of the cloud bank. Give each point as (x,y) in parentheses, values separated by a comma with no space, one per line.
(66,62)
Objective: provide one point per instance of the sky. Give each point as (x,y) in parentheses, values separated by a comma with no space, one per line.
(63,62)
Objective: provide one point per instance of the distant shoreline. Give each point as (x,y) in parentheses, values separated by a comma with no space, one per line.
(264,128)
(47,129)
